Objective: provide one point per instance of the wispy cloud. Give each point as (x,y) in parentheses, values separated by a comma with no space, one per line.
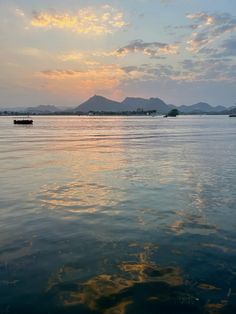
(209,70)
(83,82)
(188,70)
(108,74)
(34,52)
(147,72)
(102,20)
(152,49)
(71,56)
(229,47)
(19,12)
(209,28)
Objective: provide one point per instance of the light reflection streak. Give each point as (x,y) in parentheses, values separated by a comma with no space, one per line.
(89,186)
(193,219)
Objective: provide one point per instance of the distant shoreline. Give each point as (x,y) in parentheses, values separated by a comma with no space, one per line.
(89,114)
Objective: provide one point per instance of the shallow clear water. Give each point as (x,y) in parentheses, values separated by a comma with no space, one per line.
(118,215)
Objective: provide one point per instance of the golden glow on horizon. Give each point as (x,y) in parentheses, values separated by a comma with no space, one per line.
(86,81)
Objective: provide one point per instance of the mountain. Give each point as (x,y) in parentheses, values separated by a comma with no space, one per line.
(102,104)
(43,109)
(133,103)
(201,107)
(231,110)
(219,108)
(159,105)
(99,103)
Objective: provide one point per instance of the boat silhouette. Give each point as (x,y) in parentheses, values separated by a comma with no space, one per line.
(23,121)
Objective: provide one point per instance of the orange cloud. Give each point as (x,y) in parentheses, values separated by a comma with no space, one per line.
(72,56)
(88,20)
(34,52)
(74,83)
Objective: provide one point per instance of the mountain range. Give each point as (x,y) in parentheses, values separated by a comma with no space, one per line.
(43,109)
(129,104)
(99,103)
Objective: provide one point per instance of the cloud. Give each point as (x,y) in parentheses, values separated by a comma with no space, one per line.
(209,70)
(71,56)
(226,49)
(147,72)
(151,49)
(93,78)
(202,18)
(88,20)
(106,77)
(188,70)
(96,77)
(19,12)
(229,47)
(197,41)
(99,73)
(209,28)
(34,52)
(154,50)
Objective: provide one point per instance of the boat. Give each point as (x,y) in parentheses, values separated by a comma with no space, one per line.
(232,115)
(23,121)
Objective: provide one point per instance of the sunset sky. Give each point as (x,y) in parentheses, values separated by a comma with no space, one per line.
(62,52)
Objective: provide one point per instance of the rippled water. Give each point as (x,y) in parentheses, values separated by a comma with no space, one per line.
(118,215)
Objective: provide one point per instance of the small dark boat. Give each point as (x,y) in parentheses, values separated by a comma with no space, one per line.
(232,115)
(23,121)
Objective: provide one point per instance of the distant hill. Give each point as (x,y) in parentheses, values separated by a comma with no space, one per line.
(159,105)
(43,109)
(99,103)
(231,110)
(201,107)
(134,102)
(219,108)
(102,104)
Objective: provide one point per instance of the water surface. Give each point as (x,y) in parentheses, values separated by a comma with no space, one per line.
(118,215)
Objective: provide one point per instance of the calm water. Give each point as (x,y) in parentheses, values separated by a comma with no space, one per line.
(118,215)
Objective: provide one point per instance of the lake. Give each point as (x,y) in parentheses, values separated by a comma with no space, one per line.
(118,215)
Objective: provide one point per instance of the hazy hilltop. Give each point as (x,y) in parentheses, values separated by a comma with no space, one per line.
(132,104)
(200,107)
(43,109)
(99,103)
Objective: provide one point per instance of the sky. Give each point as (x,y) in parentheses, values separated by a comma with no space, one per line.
(56,52)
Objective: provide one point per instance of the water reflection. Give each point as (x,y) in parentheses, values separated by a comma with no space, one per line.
(137,285)
(114,293)
(118,215)
(79,198)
